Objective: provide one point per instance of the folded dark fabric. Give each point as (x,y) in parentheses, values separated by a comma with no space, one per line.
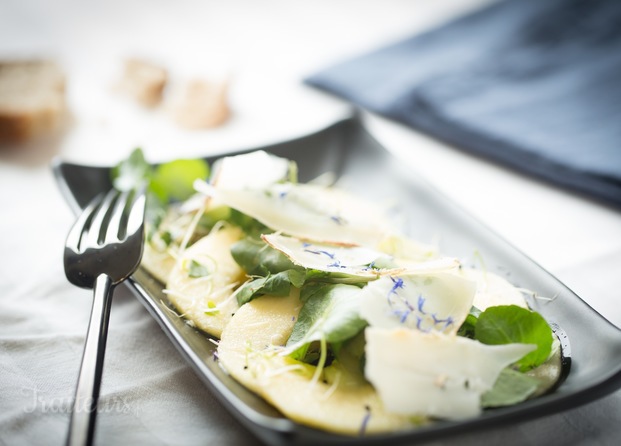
(532,84)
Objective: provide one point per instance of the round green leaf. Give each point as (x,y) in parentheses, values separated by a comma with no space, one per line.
(507,324)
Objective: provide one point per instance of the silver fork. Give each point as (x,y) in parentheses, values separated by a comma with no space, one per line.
(103,248)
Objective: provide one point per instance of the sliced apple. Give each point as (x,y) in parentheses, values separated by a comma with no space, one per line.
(340,401)
(202,283)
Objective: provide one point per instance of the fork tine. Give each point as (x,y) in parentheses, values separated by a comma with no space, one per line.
(136,214)
(94,232)
(116,219)
(75,234)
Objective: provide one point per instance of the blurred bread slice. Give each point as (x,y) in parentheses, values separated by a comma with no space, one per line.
(202,105)
(144,81)
(32,99)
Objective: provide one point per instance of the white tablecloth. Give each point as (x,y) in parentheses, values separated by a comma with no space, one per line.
(149,394)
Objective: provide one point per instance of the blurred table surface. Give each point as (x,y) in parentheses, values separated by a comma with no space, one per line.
(266,48)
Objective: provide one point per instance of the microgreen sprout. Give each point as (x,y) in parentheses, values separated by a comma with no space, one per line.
(285,369)
(534,295)
(333,387)
(170,310)
(196,269)
(192,227)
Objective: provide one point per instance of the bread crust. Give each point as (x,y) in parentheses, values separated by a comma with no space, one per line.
(32,99)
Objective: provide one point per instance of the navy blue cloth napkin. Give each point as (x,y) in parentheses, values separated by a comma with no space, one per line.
(532,84)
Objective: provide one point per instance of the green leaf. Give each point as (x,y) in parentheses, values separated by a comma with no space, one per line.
(278,284)
(330,312)
(196,269)
(508,324)
(131,172)
(176,178)
(467,327)
(171,180)
(277,271)
(297,277)
(350,353)
(312,289)
(510,388)
(315,275)
(259,259)
(166,237)
(249,290)
(249,225)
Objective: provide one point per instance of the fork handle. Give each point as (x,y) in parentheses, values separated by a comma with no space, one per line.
(84,410)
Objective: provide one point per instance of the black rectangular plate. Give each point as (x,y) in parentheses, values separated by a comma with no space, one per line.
(364,166)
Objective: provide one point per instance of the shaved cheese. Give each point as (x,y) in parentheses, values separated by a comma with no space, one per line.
(434,374)
(425,302)
(350,260)
(353,260)
(250,170)
(442,264)
(493,290)
(406,250)
(308,212)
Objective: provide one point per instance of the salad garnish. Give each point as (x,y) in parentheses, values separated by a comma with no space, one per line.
(325,308)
